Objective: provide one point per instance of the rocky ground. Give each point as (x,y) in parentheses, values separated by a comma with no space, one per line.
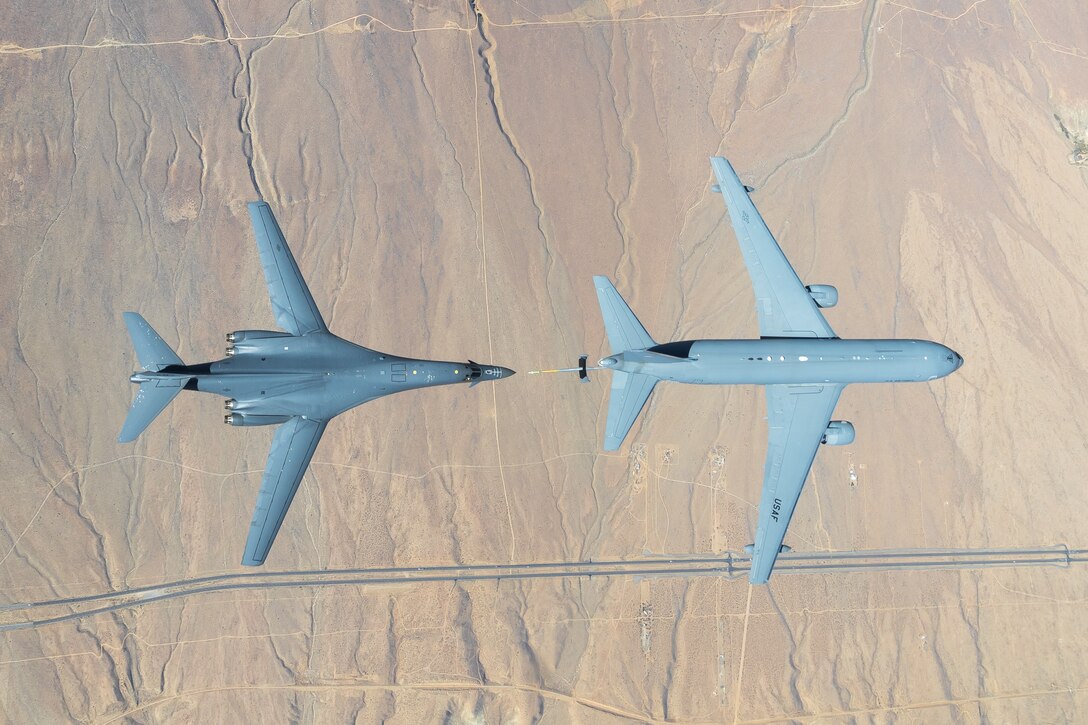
(449,176)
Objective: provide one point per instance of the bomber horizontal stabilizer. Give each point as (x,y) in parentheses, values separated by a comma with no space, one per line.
(151,399)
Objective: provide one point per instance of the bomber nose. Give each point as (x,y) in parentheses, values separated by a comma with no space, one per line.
(959,360)
(607,362)
(490,372)
(478,373)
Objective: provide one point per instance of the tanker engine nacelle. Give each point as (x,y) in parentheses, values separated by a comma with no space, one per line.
(249,336)
(838,433)
(243,419)
(824,295)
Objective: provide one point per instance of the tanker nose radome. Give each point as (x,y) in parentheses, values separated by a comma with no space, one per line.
(954,361)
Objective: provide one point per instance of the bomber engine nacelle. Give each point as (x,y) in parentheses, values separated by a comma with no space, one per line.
(244,419)
(838,433)
(250,340)
(824,295)
(243,335)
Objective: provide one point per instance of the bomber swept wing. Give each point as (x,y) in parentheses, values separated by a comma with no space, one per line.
(293,305)
(783,305)
(292,448)
(797,418)
(297,439)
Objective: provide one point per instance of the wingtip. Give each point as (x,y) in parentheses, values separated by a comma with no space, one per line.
(603,284)
(722,164)
(249,554)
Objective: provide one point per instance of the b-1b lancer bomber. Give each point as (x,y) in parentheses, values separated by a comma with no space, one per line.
(299,379)
(798,358)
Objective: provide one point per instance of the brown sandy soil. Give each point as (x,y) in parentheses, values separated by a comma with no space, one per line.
(449,182)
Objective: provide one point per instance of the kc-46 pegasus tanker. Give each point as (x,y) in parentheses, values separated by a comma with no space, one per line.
(798,358)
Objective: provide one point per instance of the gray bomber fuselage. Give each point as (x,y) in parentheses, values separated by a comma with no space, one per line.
(297,378)
(772,361)
(316,376)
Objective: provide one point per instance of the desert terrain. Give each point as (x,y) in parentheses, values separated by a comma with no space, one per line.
(449,175)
